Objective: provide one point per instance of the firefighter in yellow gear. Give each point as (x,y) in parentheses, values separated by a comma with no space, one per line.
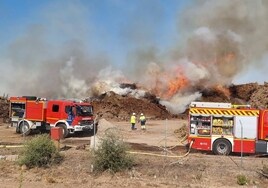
(142,121)
(133,121)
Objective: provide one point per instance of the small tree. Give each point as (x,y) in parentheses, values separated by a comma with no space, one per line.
(112,154)
(39,151)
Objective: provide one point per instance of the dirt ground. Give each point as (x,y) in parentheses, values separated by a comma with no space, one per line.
(168,169)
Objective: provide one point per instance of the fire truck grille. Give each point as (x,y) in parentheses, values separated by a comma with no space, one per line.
(86,122)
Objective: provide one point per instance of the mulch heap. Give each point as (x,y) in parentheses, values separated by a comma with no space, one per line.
(112,106)
(259,99)
(116,107)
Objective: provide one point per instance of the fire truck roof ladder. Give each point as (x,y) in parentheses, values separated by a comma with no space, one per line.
(211,104)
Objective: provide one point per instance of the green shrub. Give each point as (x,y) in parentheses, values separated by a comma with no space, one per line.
(112,154)
(242,179)
(39,151)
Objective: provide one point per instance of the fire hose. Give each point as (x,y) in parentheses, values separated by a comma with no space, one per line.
(181,141)
(11,146)
(161,155)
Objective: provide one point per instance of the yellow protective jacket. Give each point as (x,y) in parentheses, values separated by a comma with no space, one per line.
(133,119)
(142,118)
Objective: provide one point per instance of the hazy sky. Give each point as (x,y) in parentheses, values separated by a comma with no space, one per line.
(40,38)
(104,26)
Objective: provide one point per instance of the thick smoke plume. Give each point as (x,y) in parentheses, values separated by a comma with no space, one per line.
(228,36)
(218,40)
(223,39)
(50,59)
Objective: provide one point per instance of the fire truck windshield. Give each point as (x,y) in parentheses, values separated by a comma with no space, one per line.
(84,110)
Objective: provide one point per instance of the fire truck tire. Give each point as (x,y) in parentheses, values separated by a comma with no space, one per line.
(65,131)
(222,147)
(25,128)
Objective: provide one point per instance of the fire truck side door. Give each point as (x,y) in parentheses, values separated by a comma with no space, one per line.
(265,125)
(53,112)
(249,127)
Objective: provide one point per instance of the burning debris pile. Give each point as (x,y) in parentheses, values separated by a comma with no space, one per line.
(114,106)
(119,106)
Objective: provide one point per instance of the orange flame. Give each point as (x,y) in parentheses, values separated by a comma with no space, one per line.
(167,85)
(175,85)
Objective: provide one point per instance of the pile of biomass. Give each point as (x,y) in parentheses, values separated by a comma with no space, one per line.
(112,106)
(259,99)
(244,91)
(117,107)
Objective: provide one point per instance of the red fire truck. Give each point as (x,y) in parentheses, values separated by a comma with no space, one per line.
(29,112)
(224,128)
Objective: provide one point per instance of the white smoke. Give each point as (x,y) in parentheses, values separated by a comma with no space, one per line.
(107,80)
(205,34)
(110,80)
(71,86)
(179,102)
(234,36)
(194,72)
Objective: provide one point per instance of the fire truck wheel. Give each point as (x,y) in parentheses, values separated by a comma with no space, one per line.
(65,131)
(25,128)
(222,147)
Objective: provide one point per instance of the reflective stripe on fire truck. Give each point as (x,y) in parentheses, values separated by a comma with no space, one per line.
(224,112)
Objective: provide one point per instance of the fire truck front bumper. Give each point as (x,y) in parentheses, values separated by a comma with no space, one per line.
(84,128)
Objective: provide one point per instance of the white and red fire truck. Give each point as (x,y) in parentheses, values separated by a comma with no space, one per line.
(224,128)
(29,112)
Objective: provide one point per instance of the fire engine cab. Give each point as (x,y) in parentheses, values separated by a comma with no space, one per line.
(29,112)
(224,128)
